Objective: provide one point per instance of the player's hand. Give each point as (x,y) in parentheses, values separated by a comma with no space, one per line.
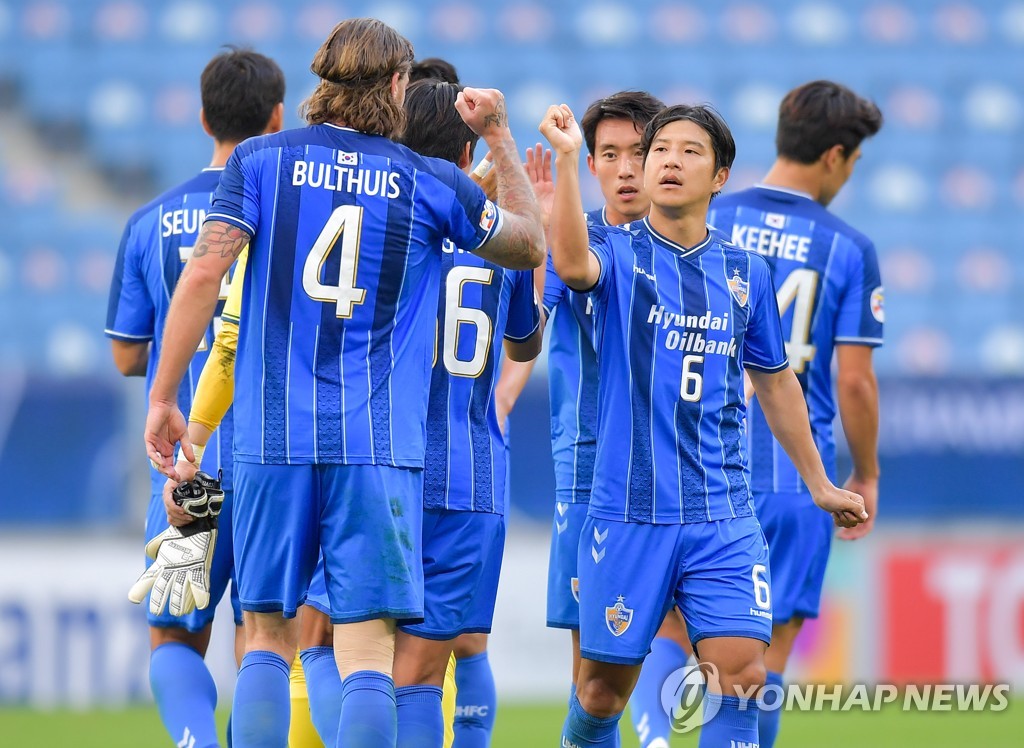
(176,516)
(560,128)
(488,181)
(166,427)
(868,488)
(846,507)
(538,171)
(179,576)
(483,109)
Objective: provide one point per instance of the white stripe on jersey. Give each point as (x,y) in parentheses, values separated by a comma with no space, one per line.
(266,299)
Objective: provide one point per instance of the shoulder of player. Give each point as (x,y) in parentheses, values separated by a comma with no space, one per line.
(203,182)
(848,232)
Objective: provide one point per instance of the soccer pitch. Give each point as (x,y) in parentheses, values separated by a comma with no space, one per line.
(538,725)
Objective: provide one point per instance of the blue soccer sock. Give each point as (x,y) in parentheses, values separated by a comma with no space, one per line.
(476,702)
(323,689)
(650,720)
(734,725)
(262,708)
(369,717)
(420,721)
(768,719)
(582,730)
(185,694)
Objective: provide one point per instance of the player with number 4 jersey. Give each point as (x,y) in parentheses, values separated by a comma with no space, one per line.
(680,314)
(344,228)
(831,299)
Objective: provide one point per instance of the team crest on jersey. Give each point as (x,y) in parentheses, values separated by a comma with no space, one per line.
(618,617)
(738,288)
(348,159)
(574,585)
(489,216)
(878,304)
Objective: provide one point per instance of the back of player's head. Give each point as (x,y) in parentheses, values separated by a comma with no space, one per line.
(355,65)
(240,89)
(433,67)
(433,126)
(636,106)
(819,115)
(705,117)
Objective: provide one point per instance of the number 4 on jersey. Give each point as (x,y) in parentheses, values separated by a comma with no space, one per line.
(344,224)
(798,289)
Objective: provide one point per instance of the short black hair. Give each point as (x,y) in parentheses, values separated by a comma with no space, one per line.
(239,90)
(433,126)
(639,107)
(821,114)
(433,67)
(706,117)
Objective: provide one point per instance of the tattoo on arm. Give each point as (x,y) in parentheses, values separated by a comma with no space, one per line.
(221,239)
(521,237)
(499,118)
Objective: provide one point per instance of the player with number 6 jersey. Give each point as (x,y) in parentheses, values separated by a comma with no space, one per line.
(344,228)
(831,299)
(679,315)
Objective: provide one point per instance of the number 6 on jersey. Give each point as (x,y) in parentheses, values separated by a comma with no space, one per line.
(344,224)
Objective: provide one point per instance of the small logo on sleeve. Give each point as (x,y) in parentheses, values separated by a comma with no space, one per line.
(488,217)
(878,304)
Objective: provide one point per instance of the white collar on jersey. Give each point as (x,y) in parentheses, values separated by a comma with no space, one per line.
(776,188)
(341,127)
(214,168)
(685,251)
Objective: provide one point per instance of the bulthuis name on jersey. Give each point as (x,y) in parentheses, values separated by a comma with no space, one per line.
(691,339)
(346,179)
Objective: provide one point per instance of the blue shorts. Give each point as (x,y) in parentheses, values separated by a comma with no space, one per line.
(563,582)
(799,538)
(461,563)
(632,573)
(221,572)
(316,595)
(367,519)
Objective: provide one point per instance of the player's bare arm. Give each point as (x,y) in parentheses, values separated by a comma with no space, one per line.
(573,260)
(192,308)
(782,401)
(131,359)
(857,393)
(520,243)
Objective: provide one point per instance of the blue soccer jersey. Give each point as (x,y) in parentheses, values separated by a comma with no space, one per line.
(674,327)
(480,305)
(829,292)
(572,383)
(341,291)
(157,241)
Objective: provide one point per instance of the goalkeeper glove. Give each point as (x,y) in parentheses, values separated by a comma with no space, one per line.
(180,573)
